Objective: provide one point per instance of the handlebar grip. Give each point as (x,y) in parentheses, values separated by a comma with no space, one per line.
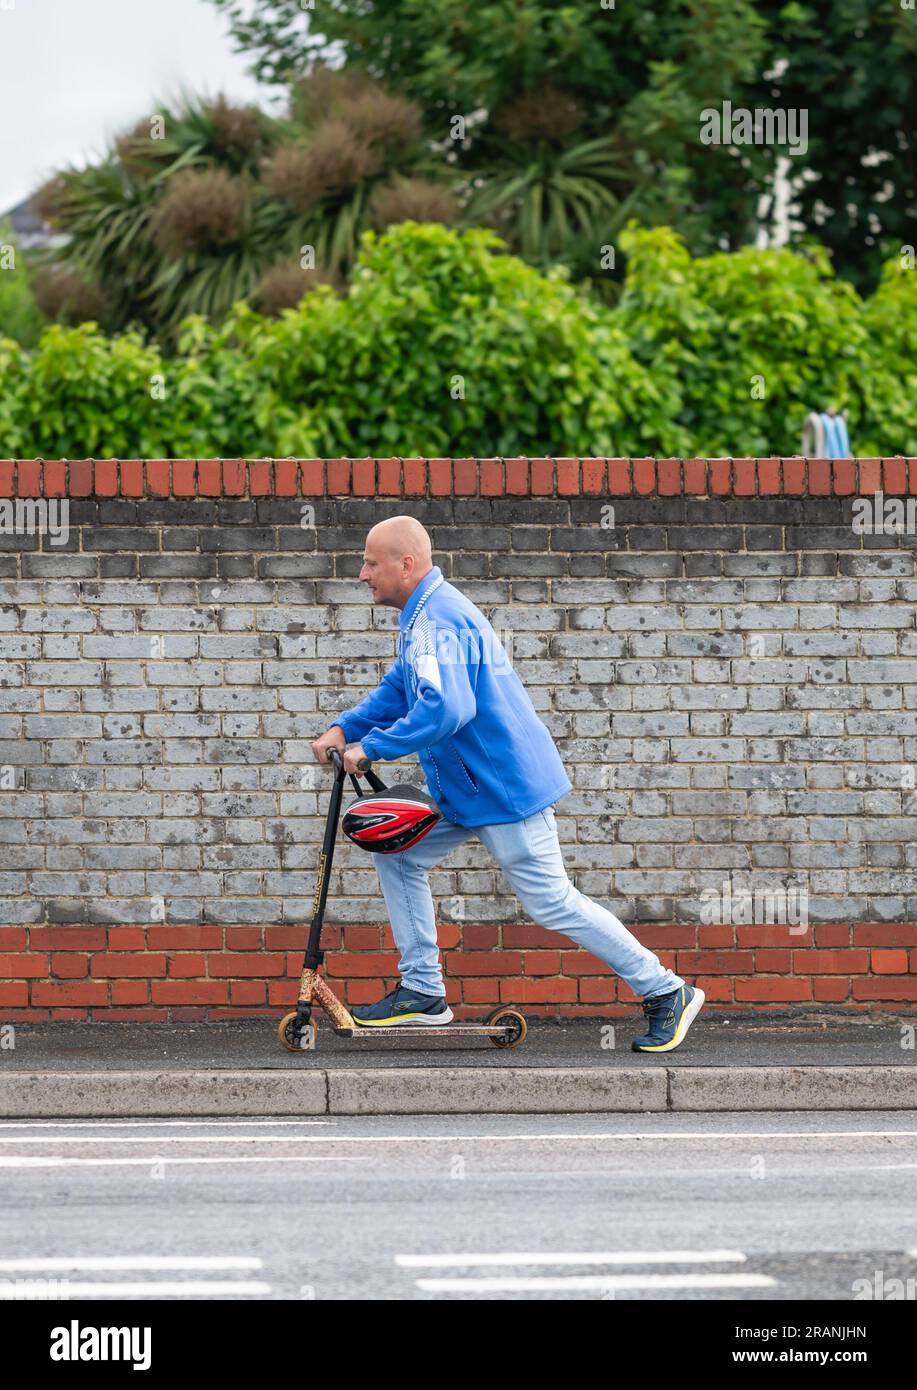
(334,755)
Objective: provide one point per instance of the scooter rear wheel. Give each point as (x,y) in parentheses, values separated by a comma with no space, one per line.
(289,1037)
(514,1020)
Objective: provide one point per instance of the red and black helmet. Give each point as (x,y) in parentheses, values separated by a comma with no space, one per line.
(390,821)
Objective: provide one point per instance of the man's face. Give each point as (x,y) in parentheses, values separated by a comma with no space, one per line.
(385,575)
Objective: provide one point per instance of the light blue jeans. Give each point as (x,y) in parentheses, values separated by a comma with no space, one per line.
(529,854)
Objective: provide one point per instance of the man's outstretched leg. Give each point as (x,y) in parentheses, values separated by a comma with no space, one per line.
(421,996)
(528,852)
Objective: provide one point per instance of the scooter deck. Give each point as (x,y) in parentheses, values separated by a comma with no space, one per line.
(423,1030)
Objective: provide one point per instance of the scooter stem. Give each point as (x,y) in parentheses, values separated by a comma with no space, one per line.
(314,953)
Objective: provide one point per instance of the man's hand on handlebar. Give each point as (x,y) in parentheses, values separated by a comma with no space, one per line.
(353,757)
(334,738)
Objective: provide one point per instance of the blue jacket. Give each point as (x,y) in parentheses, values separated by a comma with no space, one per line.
(453,698)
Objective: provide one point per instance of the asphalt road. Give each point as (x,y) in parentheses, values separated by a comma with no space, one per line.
(728,1206)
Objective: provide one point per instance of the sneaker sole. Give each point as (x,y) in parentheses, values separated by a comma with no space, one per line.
(684,1023)
(430,1020)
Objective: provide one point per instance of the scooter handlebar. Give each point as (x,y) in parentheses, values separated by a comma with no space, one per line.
(335,755)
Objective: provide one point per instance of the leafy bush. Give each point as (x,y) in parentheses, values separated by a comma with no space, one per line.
(214,403)
(20,316)
(752,341)
(443,347)
(15,401)
(446,345)
(92,396)
(889,389)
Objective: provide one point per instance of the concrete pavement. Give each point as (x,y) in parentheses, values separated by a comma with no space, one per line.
(782,1062)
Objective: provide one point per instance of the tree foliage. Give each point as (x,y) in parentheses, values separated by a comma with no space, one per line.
(643,73)
(551,122)
(851,65)
(639,73)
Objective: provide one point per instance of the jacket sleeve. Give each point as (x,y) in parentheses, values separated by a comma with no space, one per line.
(384,705)
(446,679)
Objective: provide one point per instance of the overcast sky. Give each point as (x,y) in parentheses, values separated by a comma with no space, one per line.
(75,72)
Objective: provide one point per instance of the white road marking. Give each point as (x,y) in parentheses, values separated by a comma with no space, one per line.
(155,1139)
(668,1138)
(566,1138)
(526,1283)
(736,1170)
(572,1257)
(95,1262)
(26,1162)
(154,1288)
(877,1168)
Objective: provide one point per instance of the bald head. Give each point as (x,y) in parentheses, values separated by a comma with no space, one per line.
(397,556)
(402,535)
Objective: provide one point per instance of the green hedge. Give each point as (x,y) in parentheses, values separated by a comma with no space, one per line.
(447,346)
(20,317)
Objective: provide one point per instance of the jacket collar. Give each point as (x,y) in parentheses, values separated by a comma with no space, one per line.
(419,597)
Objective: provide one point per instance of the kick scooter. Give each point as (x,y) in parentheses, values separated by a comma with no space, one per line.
(505,1027)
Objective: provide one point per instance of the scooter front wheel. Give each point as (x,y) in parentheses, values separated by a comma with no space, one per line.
(296,1039)
(513,1020)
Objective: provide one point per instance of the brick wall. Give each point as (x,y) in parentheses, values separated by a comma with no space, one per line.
(728,668)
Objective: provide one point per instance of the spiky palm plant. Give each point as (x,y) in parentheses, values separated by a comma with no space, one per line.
(285,284)
(210,278)
(112,215)
(211,131)
(63,294)
(545,199)
(413,200)
(197,203)
(355,136)
(552,194)
(106,216)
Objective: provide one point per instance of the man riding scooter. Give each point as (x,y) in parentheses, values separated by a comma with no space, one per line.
(452,698)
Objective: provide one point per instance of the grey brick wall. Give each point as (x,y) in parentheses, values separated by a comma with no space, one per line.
(732,685)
